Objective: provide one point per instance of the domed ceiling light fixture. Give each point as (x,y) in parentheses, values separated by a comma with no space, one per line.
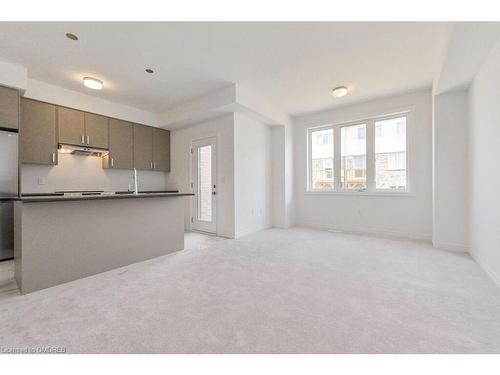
(93,83)
(340,91)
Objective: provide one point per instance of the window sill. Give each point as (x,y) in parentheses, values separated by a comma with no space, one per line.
(363,193)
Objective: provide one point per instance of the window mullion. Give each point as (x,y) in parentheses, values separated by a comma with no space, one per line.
(336,158)
(370,155)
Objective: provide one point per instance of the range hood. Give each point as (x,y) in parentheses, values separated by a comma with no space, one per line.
(82,150)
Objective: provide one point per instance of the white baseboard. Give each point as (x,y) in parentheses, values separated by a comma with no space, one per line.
(486,268)
(371,232)
(457,248)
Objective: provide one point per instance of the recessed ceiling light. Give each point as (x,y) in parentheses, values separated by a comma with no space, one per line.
(92,83)
(71,36)
(148,70)
(339,91)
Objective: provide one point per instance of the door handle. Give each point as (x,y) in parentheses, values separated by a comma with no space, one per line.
(112,162)
(83,139)
(214,193)
(53,158)
(151,165)
(88,139)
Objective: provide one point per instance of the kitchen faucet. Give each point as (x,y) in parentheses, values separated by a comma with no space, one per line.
(135,182)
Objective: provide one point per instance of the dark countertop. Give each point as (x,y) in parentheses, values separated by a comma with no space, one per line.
(62,198)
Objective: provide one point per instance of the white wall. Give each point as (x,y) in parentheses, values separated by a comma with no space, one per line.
(13,75)
(244,171)
(451,171)
(252,175)
(58,95)
(76,172)
(181,168)
(404,216)
(278,177)
(289,175)
(282,176)
(484,176)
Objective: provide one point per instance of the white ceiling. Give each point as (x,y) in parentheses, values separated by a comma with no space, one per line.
(292,65)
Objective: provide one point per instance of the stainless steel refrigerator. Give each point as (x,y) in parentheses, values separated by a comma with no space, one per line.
(8,190)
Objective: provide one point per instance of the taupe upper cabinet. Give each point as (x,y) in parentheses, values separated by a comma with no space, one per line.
(121,144)
(161,150)
(143,147)
(71,124)
(130,145)
(38,132)
(9,108)
(96,130)
(82,128)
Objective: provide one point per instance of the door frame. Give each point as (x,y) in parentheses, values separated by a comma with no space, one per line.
(198,225)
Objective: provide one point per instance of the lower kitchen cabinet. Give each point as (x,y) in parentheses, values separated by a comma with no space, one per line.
(121,145)
(38,132)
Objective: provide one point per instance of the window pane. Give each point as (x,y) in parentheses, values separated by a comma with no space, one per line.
(353,152)
(322,159)
(390,154)
(204,183)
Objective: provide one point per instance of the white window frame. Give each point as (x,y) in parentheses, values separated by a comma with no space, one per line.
(370,157)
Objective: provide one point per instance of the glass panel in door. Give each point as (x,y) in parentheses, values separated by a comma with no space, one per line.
(204,185)
(204,188)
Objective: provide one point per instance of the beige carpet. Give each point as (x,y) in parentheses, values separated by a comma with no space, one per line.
(278,291)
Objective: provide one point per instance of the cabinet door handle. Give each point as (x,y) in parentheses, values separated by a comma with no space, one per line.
(154,165)
(53,158)
(83,139)
(151,165)
(112,162)
(88,139)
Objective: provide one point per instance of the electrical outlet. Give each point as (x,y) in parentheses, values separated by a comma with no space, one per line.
(41,181)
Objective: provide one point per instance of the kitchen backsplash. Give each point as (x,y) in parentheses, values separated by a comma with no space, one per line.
(75,172)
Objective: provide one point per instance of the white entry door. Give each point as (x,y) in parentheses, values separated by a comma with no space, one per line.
(204,155)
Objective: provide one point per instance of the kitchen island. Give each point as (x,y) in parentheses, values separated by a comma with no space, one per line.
(58,239)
